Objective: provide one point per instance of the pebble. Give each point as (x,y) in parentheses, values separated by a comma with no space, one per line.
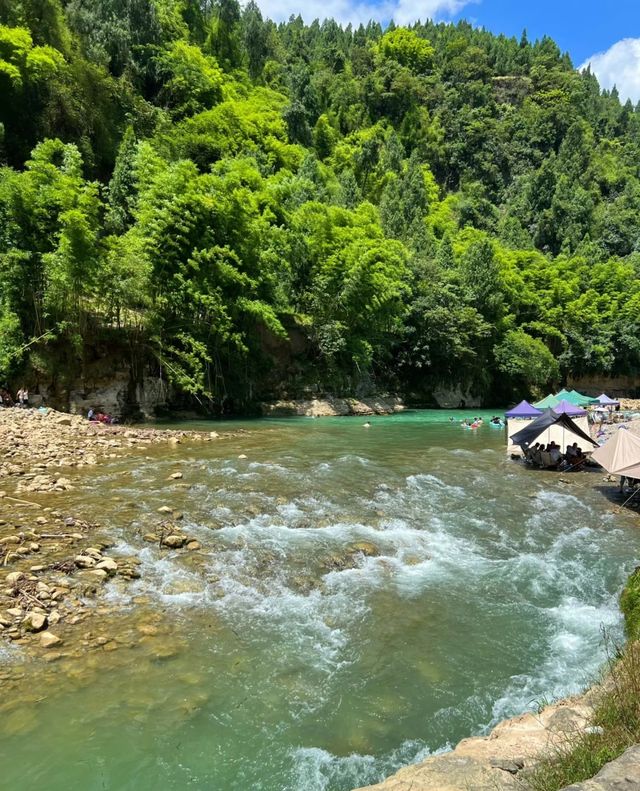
(48,639)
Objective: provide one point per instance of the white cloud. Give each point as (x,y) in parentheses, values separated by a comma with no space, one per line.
(619,66)
(402,12)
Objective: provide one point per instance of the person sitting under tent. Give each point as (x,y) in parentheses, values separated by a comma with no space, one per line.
(555,454)
(532,454)
(575,457)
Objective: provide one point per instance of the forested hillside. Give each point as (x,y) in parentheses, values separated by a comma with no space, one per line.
(241,207)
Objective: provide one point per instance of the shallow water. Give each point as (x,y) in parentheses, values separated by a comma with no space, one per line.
(291,669)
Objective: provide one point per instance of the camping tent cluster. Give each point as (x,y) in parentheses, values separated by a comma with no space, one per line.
(558,425)
(560,418)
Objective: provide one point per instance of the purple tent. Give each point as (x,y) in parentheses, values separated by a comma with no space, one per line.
(523,409)
(604,400)
(567,408)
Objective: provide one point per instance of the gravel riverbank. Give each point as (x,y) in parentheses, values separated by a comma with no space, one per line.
(53,565)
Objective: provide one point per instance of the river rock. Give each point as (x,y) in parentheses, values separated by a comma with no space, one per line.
(109,565)
(174,541)
(164,509)
(14,578)
(193,545)
(175,476)
(48,639)
(34,622)
(84,561)
(366,547)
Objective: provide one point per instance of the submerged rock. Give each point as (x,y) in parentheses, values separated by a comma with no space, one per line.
(48,639)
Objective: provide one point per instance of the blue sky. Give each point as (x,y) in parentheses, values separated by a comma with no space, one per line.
(581,27)
(605,33)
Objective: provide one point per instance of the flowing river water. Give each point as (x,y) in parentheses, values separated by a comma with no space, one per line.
(363,598)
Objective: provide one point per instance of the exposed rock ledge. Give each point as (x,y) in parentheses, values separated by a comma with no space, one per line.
(333,407)
(493,762)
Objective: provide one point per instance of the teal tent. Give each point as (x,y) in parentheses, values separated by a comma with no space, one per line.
(562,394)
(576,398)
(546,403)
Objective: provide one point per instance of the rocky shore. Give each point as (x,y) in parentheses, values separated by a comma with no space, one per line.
(53,565)
(499,760)
(503,759)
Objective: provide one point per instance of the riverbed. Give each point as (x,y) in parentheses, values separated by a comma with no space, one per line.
(364,597)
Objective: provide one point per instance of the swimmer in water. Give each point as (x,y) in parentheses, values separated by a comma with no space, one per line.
(366,425)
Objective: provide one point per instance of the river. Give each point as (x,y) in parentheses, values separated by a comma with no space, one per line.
(364,597)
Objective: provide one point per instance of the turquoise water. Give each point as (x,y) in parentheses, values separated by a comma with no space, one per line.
(363,598)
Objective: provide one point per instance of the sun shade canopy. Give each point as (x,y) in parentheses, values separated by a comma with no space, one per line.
(604,399)
(567,408)
(621,454)
(523,409)
(547,402)
(574,397)
(541,427)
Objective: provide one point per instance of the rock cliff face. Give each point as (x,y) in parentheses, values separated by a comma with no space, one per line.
(493,762)
(614,386)
(120,392)
(332,407)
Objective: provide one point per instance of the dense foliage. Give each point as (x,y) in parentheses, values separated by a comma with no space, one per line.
(241,204)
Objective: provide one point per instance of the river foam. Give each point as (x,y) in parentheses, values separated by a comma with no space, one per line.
(376,605)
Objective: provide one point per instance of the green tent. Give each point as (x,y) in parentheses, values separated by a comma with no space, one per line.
(549,401)
(577,399)
(562,394)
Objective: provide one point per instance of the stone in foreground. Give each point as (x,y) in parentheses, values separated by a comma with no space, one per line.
(623,774)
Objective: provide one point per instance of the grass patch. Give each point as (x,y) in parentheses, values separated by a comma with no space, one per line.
(616,720)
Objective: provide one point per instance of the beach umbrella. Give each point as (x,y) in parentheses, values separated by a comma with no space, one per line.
(549,401)
(567,408)
(620,455)
(523,409)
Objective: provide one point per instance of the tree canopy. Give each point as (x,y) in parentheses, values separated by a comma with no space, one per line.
(255,208)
